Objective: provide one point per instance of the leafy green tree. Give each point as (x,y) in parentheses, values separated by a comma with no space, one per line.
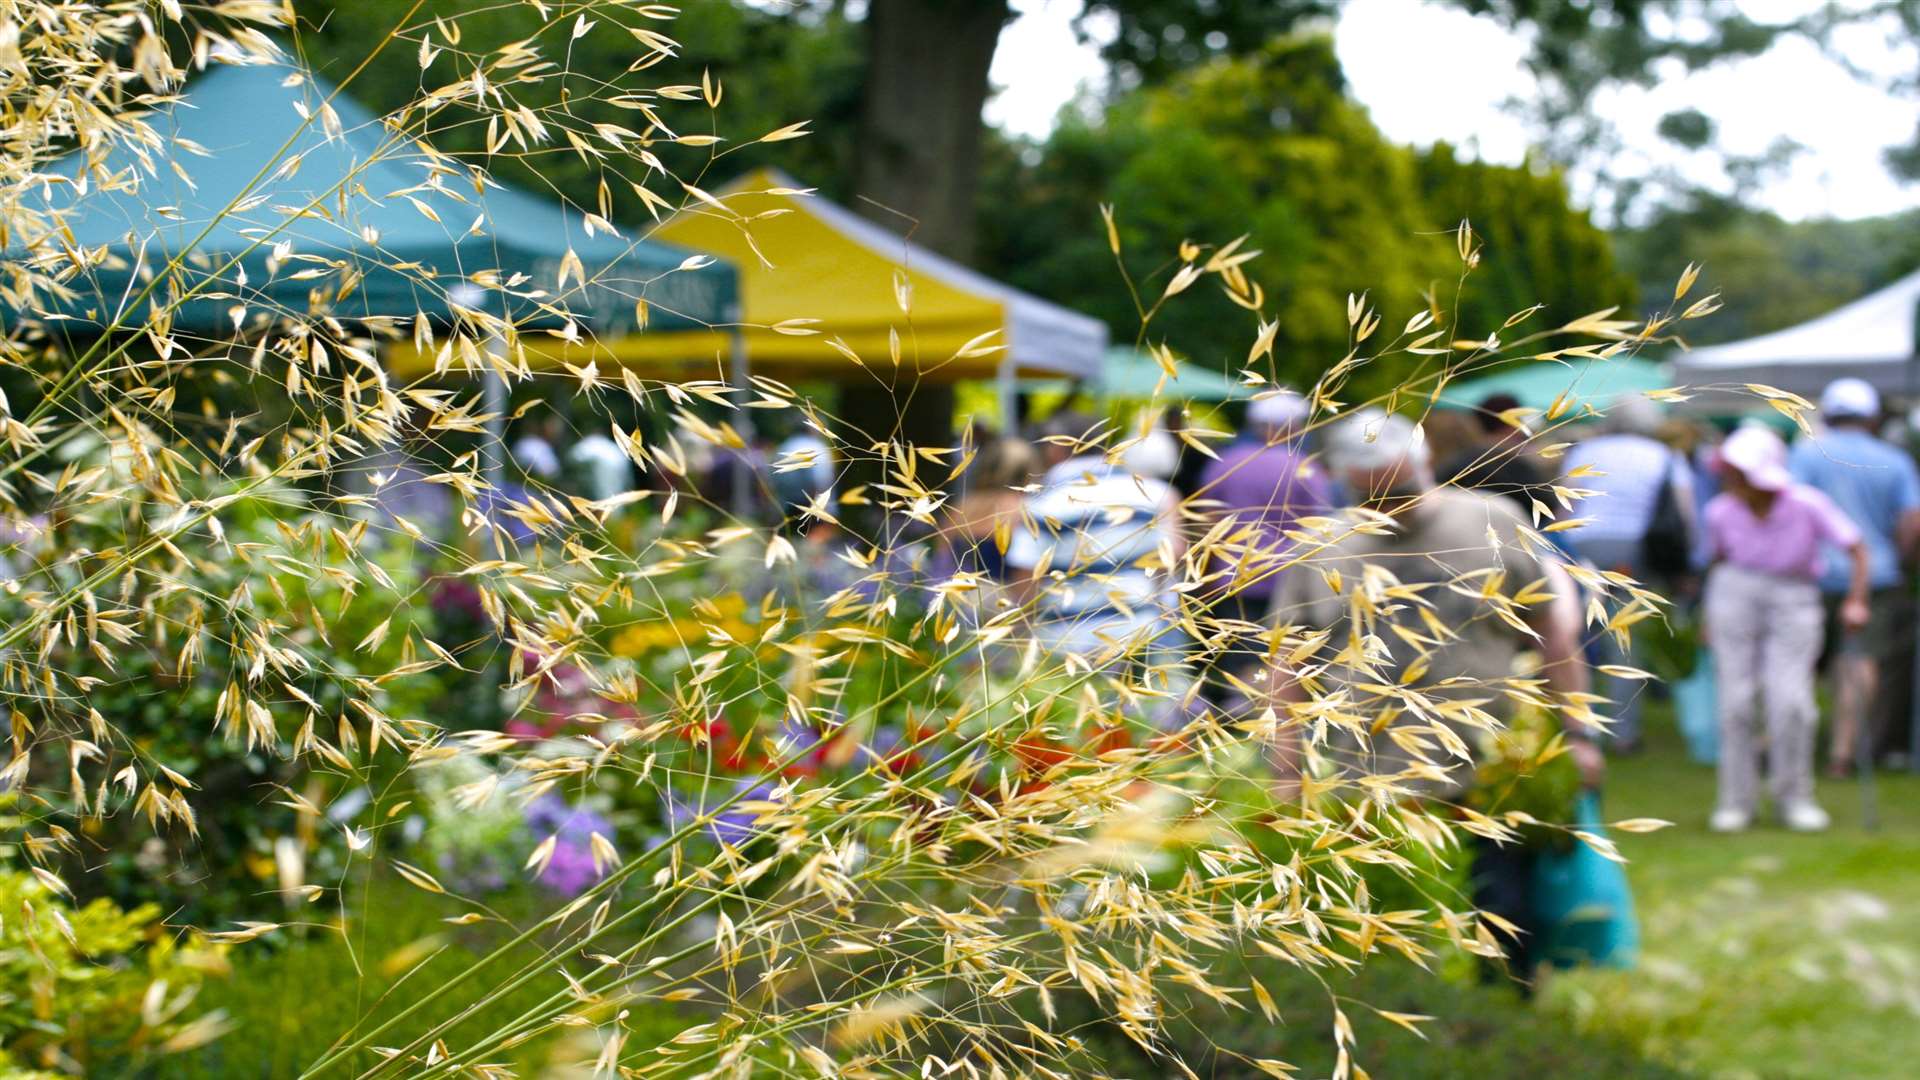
(1272,146)
(1157,39)
(773,67)
(1537,248)
(920,133)
(1579,47)
(1770,273)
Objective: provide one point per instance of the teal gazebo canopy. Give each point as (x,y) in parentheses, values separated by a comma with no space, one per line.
(1538,384)
(1129,374)
(256,199)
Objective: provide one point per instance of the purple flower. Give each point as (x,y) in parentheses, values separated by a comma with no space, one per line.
(796,739)
(731,826)
(571,870)
(457,599)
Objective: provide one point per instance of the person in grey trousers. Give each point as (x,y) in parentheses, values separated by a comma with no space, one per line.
(1766,534)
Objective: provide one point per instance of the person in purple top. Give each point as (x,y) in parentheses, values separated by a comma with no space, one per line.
(1263,479)
(1263,482)
(1764,619)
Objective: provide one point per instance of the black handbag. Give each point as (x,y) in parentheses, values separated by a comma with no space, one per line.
(1666,551)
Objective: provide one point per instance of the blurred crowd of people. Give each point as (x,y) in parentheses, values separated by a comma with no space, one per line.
(1791,560)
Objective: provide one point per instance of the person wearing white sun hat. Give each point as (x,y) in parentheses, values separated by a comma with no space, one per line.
(1766,534)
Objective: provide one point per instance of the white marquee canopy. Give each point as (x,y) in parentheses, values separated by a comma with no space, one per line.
(1871,338)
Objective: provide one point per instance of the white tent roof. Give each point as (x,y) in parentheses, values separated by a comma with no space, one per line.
(1871,338)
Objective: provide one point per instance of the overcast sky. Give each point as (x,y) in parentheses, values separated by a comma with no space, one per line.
(1429,71)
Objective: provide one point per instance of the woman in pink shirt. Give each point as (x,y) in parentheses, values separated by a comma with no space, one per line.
(1763,615)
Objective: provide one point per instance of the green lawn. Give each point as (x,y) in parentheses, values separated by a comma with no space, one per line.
(290,1000)
(1768,954)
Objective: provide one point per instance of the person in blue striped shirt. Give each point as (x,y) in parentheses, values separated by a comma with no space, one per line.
(1094,546)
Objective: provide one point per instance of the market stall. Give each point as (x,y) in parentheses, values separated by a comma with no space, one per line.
(1871,338)
(825,291)
(1538,384)
(268,191)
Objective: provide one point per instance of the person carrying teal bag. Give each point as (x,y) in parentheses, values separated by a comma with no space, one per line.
(1696,708)
(1567,904)
(1583,904)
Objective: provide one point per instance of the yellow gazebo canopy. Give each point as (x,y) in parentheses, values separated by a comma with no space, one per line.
(814,275)
(802,258)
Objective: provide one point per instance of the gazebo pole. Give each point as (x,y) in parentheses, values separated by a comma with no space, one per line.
(739,374)
(493,468)
(493,453)
(1008,393)
(493,389)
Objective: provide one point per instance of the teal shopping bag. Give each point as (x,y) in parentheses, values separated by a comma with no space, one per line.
(1583,905)
(1696,706)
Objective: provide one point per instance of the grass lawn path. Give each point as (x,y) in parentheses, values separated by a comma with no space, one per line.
(1770,953)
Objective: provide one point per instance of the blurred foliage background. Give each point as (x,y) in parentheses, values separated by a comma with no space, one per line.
(1217,116)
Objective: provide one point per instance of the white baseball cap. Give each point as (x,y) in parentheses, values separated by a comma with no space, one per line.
(1373,438)
(1154,454)
(1853,398)
(1278,408)
(1759,455)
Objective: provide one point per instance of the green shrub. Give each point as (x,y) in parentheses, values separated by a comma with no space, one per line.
(191,798)
(94,988)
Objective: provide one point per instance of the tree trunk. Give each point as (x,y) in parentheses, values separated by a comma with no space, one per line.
(918,168)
